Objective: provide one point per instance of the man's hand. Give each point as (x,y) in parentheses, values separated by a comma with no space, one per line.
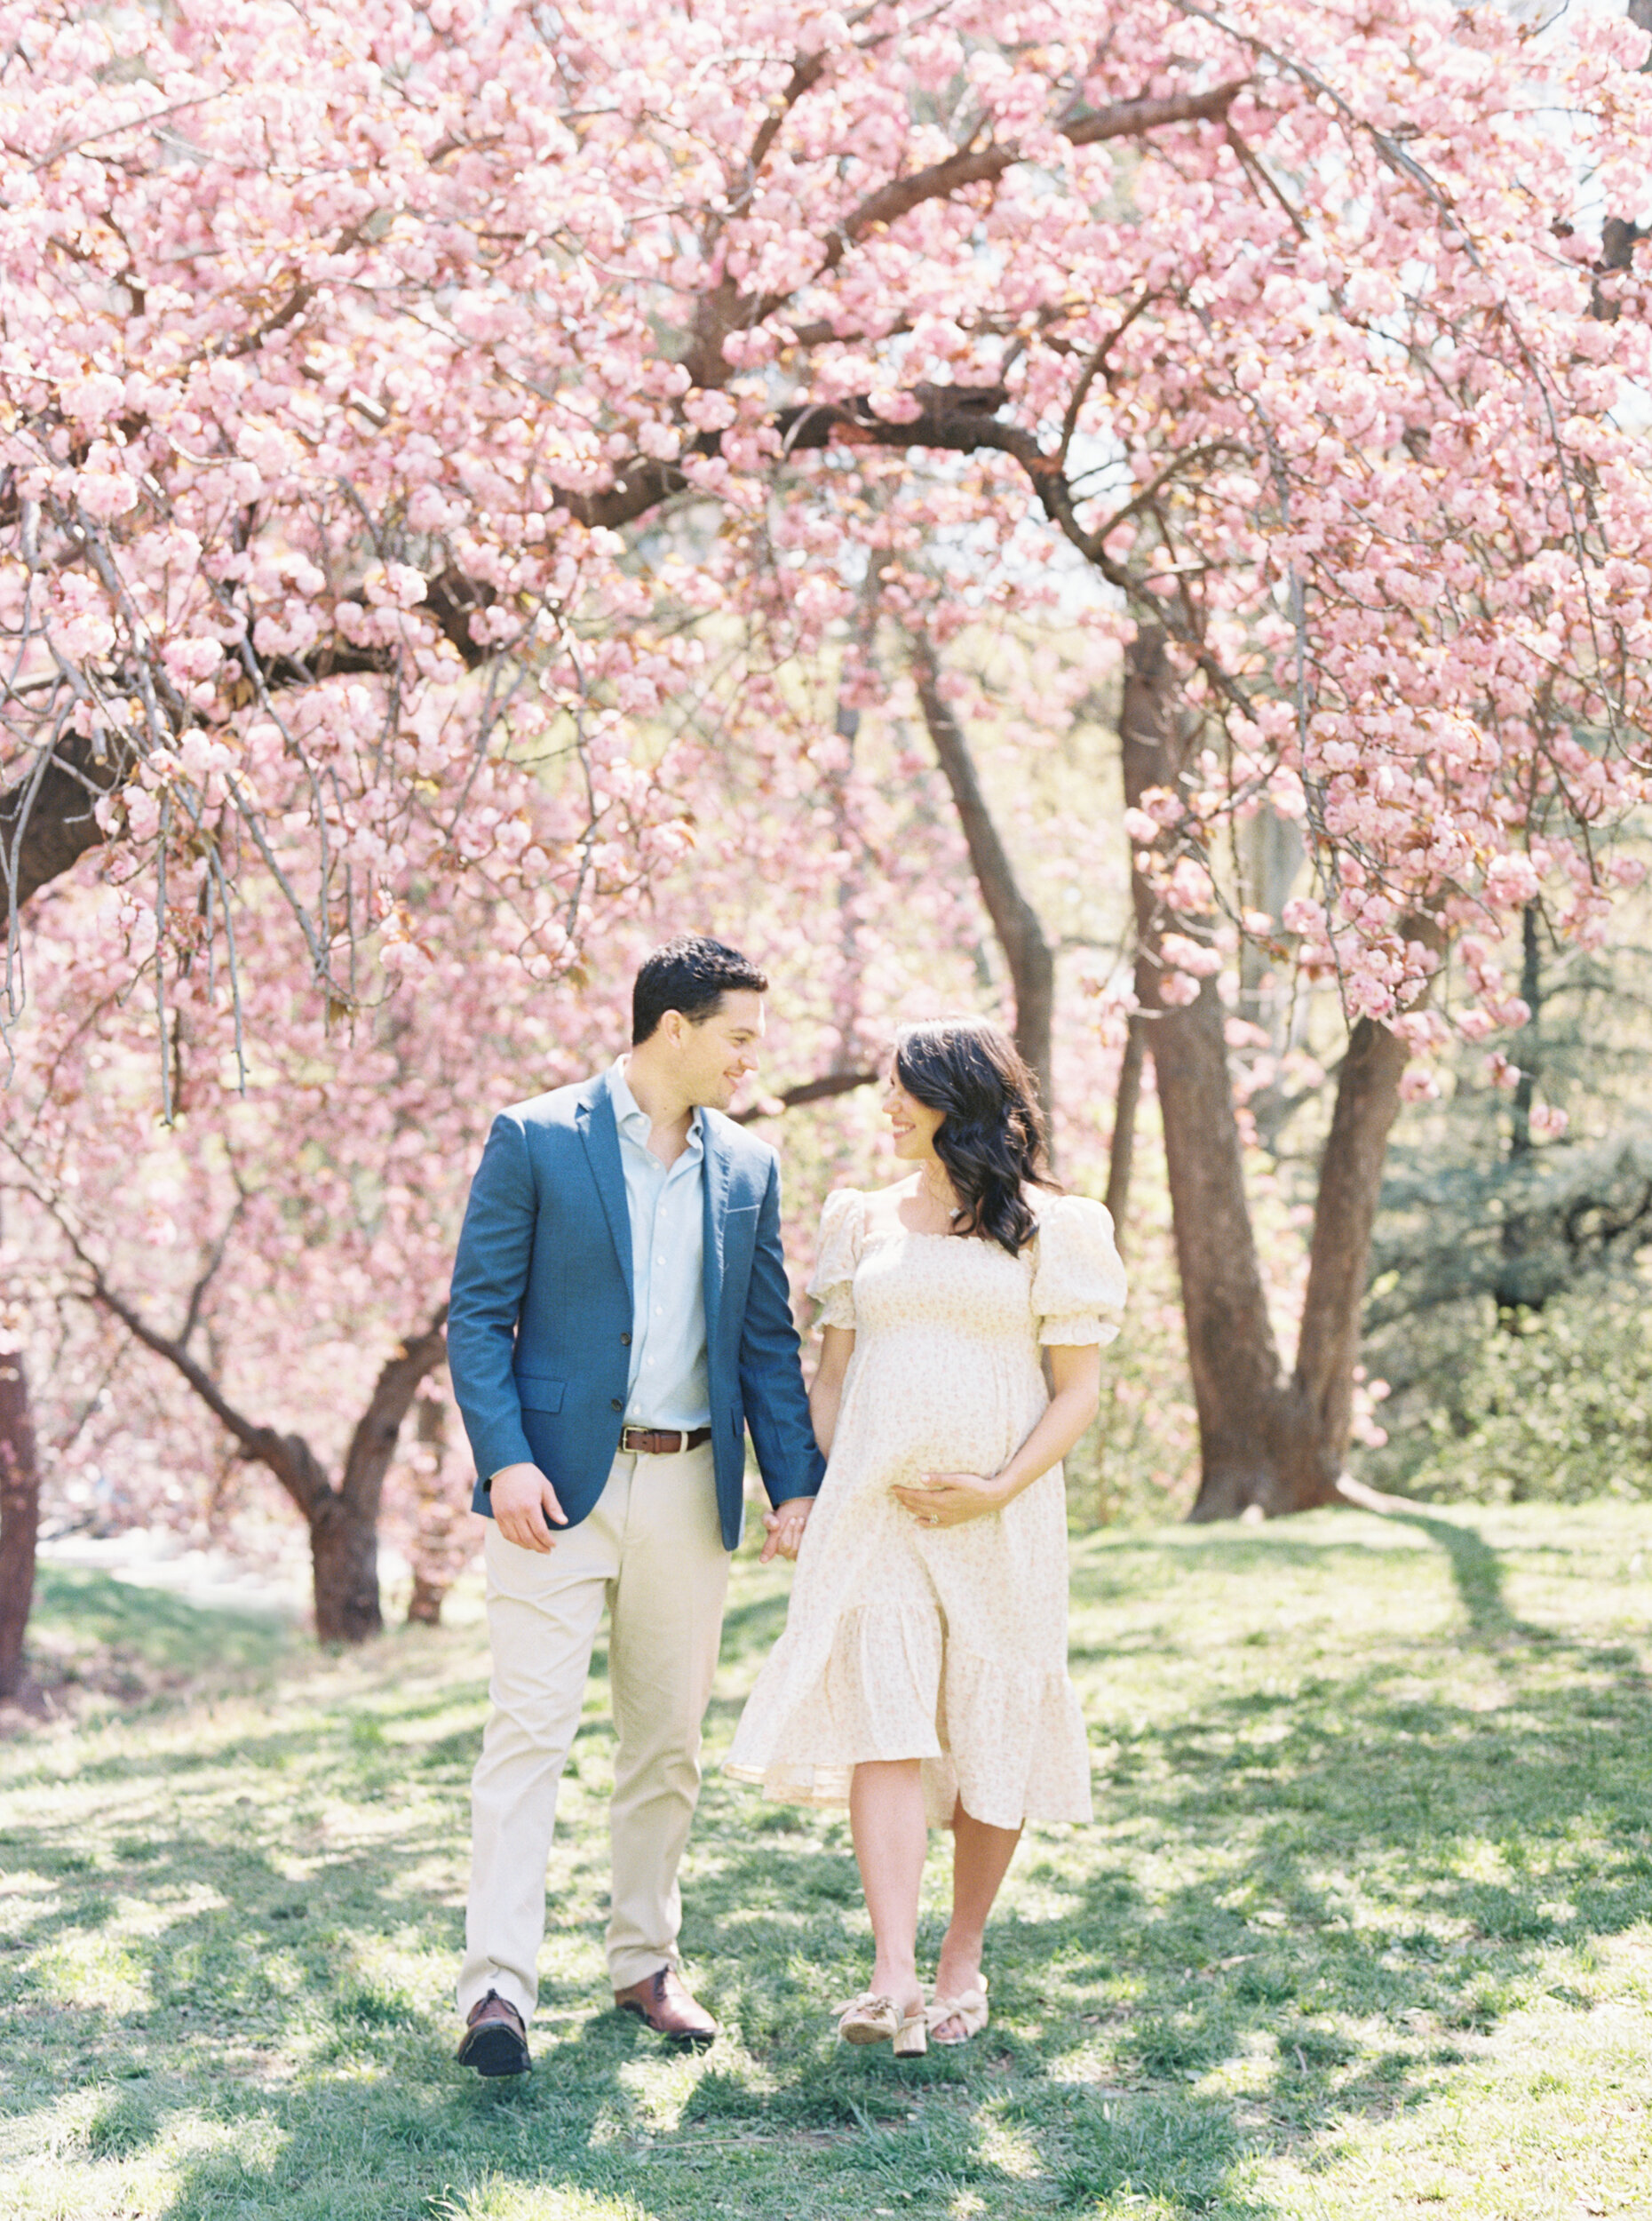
(524,1504)
(785,1526)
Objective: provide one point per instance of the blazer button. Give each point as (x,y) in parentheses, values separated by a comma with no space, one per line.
(626,1340)
(617,1403)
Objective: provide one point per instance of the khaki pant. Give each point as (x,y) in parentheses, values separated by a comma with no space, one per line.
(652,1552)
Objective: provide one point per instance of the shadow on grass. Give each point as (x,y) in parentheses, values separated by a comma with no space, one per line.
(131,1642)
(1477,1570)
(1313,1914)
(1476,1567)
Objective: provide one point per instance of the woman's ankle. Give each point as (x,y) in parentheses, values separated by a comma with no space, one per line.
(900,1984)
(956,1961)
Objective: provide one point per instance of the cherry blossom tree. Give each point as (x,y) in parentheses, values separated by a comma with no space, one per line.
(260,1282)
(410,407)
(279,1256)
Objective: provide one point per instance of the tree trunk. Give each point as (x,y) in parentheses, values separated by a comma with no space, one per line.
(1530,1058)
(19,1519)
(1126,1101)
(431,1576)
(1513,1291)
(46,813)
(1231,1352)
(344,1564)
(1015,921)
(342,1521)
(1268,1439)
(424,1604)
(345,1543)
(1321,1399)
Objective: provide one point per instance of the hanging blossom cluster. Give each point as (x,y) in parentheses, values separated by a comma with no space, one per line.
(275,592)
(290,1237)
(409,411)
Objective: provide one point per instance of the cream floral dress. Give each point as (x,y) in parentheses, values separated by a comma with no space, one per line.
(947,1645)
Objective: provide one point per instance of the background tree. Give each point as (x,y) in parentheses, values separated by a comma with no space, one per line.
(277,1256)
(429,422)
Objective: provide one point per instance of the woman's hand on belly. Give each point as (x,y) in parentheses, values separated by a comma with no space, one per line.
(947,1500)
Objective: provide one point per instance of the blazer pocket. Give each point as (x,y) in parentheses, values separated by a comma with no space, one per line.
(536,1393)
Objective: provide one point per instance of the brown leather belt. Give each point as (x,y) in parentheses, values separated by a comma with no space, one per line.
(658,1441)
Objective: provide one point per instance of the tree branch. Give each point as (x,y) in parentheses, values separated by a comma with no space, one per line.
(818,1090)
(209,1271)
(373,1443)
(725,309)
(1122,119)
(1017,924)
(289,1457)
(1121,1162)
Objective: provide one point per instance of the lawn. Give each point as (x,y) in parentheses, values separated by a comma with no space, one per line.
(1364,1927)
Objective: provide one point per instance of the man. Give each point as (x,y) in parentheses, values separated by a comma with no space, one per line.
(620,1314)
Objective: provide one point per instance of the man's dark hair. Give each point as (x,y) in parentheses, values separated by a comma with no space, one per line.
(691,975)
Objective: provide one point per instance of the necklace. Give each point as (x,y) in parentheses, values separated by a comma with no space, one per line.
(953,1213)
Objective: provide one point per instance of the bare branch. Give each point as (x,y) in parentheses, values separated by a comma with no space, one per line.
(1123,119)
(289,1457)
(725,309)
(208,1273)
(818,1090)
(1017,924)
(373,1443)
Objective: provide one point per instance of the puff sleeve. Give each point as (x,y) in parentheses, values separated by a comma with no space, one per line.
(843,1224)
(1079,1281)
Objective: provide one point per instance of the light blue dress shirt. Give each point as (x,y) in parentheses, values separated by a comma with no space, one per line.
(666,1205)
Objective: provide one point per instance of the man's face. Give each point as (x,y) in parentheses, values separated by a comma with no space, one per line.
(721,1050)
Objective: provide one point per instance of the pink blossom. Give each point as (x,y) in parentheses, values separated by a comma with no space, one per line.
(1189,955)
(1512,878)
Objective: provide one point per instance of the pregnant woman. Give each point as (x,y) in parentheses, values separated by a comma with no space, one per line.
(922,1676)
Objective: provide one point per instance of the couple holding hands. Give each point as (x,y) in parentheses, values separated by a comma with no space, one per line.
(620,1316)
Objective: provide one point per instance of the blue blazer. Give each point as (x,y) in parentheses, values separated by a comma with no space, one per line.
(540,1323)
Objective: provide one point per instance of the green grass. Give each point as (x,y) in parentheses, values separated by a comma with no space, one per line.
(96,1643)
(1364,1926)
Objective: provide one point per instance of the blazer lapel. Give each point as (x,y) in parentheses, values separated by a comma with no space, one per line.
(600,1135)
(714,1178)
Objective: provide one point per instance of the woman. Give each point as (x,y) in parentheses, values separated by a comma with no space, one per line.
(922,1675)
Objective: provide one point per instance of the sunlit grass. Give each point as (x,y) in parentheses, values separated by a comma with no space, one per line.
(1364,1927)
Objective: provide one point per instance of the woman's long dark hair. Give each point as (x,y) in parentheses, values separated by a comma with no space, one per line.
(990,1140)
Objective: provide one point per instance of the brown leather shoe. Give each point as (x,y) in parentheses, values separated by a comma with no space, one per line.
(664,2002)
(496,2042)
